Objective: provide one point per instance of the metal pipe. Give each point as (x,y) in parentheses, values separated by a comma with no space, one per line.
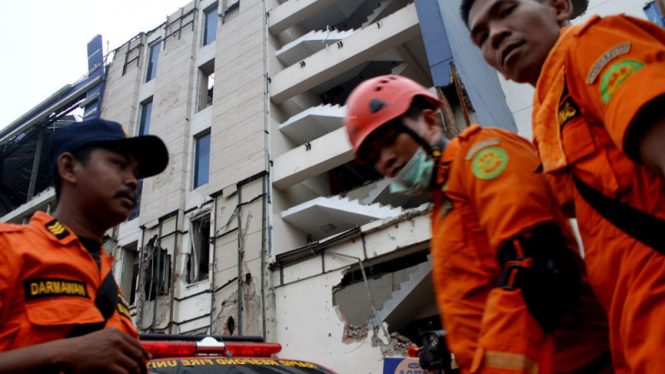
(213,242)
(138,291)
(263,258)
(35,165)
(267,206)
(240,258)
(173,277)
(369,294)
(460,94)
(159,260)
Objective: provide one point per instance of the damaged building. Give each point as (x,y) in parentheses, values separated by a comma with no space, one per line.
(262,224)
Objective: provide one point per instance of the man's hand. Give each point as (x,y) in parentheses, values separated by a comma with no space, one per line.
(645,139)
(651,147)
(107,351)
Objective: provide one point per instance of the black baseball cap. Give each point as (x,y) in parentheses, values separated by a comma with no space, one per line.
(149,150)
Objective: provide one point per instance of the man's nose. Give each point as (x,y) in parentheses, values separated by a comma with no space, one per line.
(497,34)
(132,181)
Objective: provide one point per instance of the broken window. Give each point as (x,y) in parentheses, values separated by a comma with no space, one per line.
(206,84)
(210,31)
(157,271)
(130,273)
(152,62)
(198,261)
(201,160)
(401,290)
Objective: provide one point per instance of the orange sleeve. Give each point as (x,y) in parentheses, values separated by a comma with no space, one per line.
(8,276)
(616,67)
(503,184)
(510,198)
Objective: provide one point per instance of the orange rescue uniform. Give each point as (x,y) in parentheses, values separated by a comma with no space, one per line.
(48,284)
(489,176)
(593,83)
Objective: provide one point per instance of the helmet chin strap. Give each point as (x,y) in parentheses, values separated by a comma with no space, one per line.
(434,151)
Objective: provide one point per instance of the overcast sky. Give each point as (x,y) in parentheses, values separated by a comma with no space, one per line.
(43,43)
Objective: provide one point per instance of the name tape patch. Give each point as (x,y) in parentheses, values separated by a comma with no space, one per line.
(53,287)
(608,56)
(480,145)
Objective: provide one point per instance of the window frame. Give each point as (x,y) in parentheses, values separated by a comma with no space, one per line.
(197,147)
(199,251)
(151,66)
(135,267)
(205,40)
(206,91)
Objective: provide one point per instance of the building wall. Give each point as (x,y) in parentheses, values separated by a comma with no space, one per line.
(232,297)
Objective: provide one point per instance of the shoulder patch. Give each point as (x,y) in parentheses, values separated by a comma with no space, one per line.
(608,56)
(489,163)
(616,75)
(57,229)
(567,110)
(480,145)
(41,288)
(123,307)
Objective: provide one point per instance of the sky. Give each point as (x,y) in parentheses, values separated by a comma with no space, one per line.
(43,43)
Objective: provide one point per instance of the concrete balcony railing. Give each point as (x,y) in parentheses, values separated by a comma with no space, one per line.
(312,159)
(360,47)
(313,123)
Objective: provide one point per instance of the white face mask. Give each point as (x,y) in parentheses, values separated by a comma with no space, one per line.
(415,178)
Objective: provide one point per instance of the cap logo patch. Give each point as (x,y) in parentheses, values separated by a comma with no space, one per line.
(614,52)
(616,75)
(490,163)
(376,105)
(57,229)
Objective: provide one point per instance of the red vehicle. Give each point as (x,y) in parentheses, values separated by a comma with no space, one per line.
(199,354)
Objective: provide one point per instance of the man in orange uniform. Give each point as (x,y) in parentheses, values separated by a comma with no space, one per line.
(599,126)
(505,266)
(60,308)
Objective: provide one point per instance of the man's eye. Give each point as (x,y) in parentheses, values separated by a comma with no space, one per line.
(482,38)
(506,11)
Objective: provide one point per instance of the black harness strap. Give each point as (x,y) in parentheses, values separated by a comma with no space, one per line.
(636,223)
(106,302)
(595,366)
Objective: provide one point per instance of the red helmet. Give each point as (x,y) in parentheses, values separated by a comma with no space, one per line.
(378,101)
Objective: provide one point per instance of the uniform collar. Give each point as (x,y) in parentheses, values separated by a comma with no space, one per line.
(52,228)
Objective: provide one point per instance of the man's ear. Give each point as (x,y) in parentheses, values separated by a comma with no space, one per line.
(563,10)
(66,164)
(433,125)
(431,119)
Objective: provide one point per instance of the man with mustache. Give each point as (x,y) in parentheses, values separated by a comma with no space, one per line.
(599,126)
(505,265)
(58,297)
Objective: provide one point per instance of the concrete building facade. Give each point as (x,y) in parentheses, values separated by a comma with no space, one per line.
(262,224)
